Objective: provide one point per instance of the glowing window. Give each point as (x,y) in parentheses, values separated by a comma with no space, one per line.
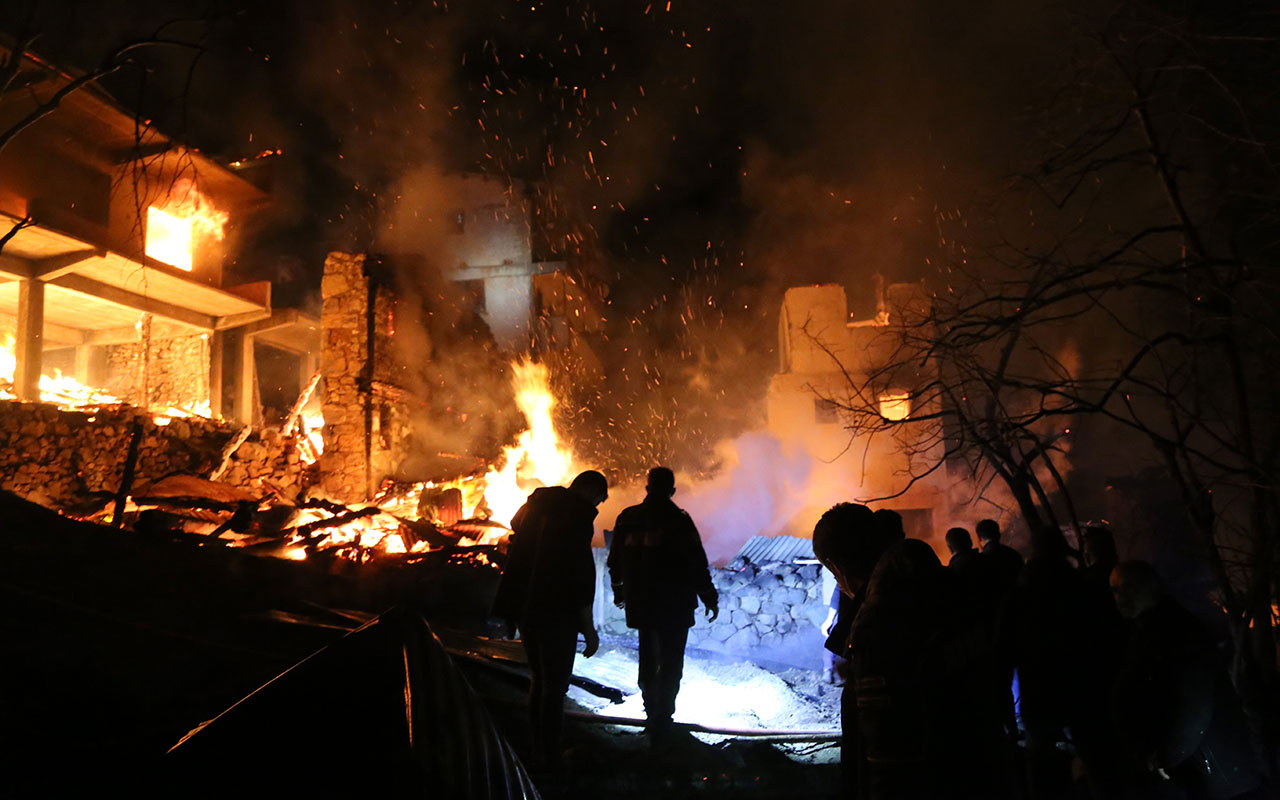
(895,406)
(169,238)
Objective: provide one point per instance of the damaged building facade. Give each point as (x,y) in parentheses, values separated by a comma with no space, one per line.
(116,321)
(823,355)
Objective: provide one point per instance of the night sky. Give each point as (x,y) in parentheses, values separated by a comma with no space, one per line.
(697,158)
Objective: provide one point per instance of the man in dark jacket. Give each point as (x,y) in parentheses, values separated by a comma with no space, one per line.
(658,571)
(1175,707)
(547,589)
(1003,563)
(912,729)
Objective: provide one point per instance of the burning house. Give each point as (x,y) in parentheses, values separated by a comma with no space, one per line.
(824,354)
(114,309)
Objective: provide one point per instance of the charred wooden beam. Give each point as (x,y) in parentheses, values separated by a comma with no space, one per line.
(126,480)
(311,528)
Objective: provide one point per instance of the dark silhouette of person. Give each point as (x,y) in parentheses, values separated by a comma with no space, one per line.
(908,732)
(848,542)
(1099,556)
(1002,561)
(658,570)
(996,576)
(547,588)
(964,559)
(1178,716)
(1060,672)
(890,522)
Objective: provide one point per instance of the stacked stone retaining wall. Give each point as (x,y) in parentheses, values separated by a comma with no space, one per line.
(768,612)
(63,459)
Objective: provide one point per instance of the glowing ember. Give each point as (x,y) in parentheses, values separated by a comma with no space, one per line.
(174,229)
(537,458)
(311,444)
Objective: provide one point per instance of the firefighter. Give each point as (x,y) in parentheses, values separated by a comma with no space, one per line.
(658,571)
(547,588)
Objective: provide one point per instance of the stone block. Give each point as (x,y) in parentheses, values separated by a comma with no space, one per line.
(740,619)
(749,603)
(720,631)
(767,620)
(744,639)
(771,607)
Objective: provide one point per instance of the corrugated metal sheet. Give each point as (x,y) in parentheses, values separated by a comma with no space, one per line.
(775,549)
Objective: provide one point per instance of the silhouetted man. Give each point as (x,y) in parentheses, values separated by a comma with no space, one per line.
(1003,563)
(1177,713)
(907,732)
(547,589)
(658,570)
(960,545)
(1061,672)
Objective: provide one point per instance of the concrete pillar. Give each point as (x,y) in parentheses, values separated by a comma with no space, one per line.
(244,377)
(217,341)
(84,357)
(29,347)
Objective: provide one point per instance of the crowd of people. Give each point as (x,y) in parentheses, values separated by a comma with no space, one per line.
(1121,692)
(1070,674)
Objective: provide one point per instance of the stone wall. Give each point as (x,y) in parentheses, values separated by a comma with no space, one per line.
(770,612)
(175,371)
(63,459)
(365,412)
(344,466)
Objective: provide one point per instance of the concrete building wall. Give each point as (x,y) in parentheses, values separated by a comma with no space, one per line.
(508,309)
(822,355)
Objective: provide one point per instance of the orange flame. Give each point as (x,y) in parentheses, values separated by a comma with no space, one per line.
(175,227)
(537,458)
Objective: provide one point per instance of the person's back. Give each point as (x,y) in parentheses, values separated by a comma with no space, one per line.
(658,561)
(1174,703)
(547,589)
(913,650)
(1004,563)
(549,570)
(658,570)
(964,562)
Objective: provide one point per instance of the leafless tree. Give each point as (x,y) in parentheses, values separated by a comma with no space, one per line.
(1127,279)
(45,87)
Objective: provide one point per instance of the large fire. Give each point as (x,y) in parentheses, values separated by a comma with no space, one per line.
(489,501)
(175,227)
(70,394)
(537,458)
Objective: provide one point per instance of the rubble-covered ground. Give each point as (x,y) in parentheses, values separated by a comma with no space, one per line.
(716,692)
(778,731)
